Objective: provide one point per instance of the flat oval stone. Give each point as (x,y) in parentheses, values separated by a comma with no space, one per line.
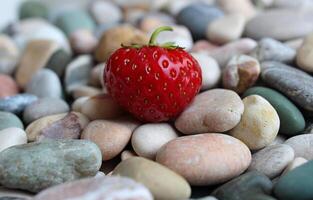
(272,160)
(198,157)
(291,119)
(251,185)
(292,82)
(259,124)
(11,137)
(104,188)
(9,55)
(45,83)
(162,182)
(8,86)
(33,9)
(48,163)
(302,145)
(216,110)
(296,184)
(10,120)
(147,139)
(304,54)
(16,104)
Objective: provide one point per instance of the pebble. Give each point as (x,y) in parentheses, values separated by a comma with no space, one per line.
(304,54)
(226,29)
(240,73)
(272,160)
(272,23)
(11,137)
(297,184)
(298,161)
(105,12)
(8,86)
(259,124)
(244,7)
(147,139)
(112,39)
(215,110)
(153,20)
(295,43)
(291,119)
(101,107)
(44,164)
(269,49)
(16,104)
(58,62)
(104,188)
(198,157)
(290,4)
(83,41)
(33,9)
(45,83)
(96,75)
(203,46)
(8,56)
(86,91)
(9,120)
(201,14)
(251,185)
(279,140)
(161,181)
(42,50)
(127,154)
(211,72)
(294,83)
(302,145)
(78,103)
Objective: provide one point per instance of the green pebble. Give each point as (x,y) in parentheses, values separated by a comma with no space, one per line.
(296,184)
(33,9)
(291,119)
(8,120)
(58,62)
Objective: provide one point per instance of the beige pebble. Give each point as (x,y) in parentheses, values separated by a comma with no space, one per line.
(11,137)
(8,86)
(78,103)
(96,75)
(83,41)
(244,7)
(85,91)
(127,154)
(305,54)
(294,164)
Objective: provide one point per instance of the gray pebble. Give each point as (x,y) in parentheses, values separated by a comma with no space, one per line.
(16,104)
(9,120)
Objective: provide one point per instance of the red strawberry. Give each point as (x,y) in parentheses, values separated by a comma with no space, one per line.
(154,83)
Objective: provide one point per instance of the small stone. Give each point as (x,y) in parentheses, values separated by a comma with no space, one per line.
(48,163)
(149,138)
(162,182)
(8,86)
(226,29)
(216,110)
(101,107)
(305,54)
(16,104)
(78,103)
(241,73)
(11,137)
(211,72)
(127,154)
(259,124)
(201,14)
(301,144)
(96,75)
(269,49)
(298,161)
(205,159)
(33,9)
(105,12)
(8,120)
(9,55)
(83,41)
(45,83)
(86,91)
(58,62)
(104,188)
(244,7)
(272,160)
(111,137)
(294,83)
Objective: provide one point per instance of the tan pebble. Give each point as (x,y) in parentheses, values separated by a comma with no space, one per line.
(305,54)
(8,86)
(78,103)
(96,75)
(85,91)
(203,46)
(244,7)
(127,154)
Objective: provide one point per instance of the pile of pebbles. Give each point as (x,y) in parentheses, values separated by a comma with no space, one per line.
(247,135)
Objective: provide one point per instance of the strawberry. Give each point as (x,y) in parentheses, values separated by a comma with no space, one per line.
(153,82)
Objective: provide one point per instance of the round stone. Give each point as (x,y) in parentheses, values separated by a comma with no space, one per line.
(8,86)
(11,137)
(78,103)
(9,120)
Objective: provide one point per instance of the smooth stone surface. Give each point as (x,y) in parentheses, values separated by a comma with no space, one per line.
(83,41)
(162,182)
(33,9)
(251,185)
(259,124)
(110,136)
(226,29)
(17,194)
(104,188)
(244,7)
(294,83)
(45,83)
(58,62)
(211,73)
(48,163)
(147,139)
(216,110)
(101,107)
(291,119)
(127,154)
(241,73)
(8,86)
(302,145)
(201,14)
(16,104)
(105,12)
(298,161)
(296,184)
(305,54)
(269,49)
(151,21)
(10,120)
(295,43)
(96,75)
(11,137)
(9,54)
(272,160)
(205,159)
(78,103)
(271,23)
(86,91)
